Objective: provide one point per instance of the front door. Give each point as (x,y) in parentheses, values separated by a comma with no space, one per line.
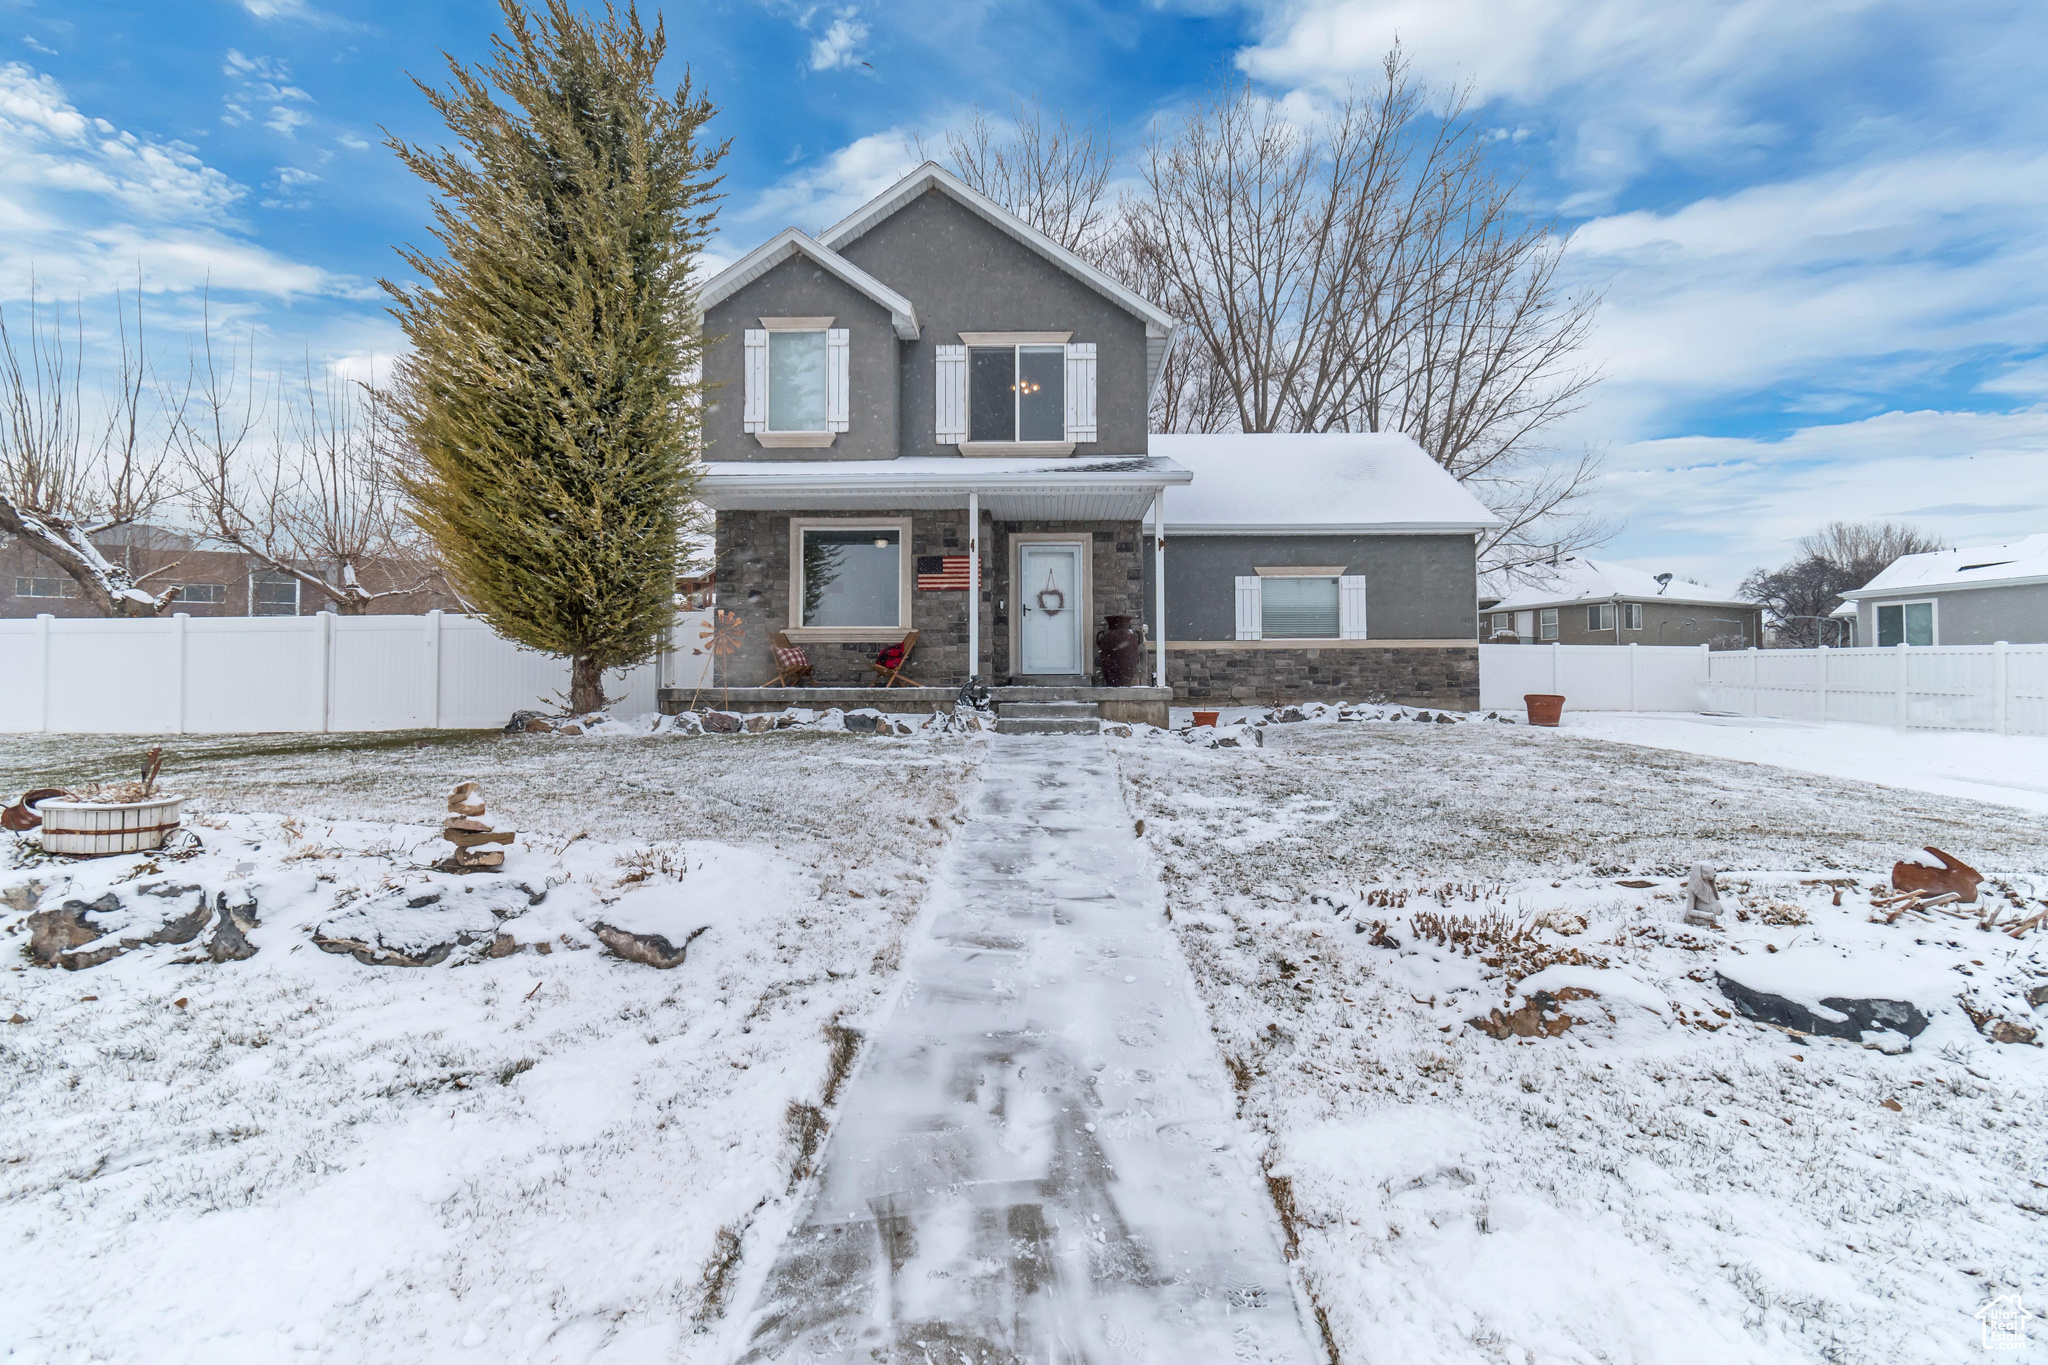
(1049,610)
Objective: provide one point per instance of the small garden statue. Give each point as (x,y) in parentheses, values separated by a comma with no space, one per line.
(465,829)
(1702,898)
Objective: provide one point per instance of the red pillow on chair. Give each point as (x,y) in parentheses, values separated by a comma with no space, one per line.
(791,657)
(891,656)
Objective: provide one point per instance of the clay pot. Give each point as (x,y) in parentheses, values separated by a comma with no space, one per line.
(1545,708)
(1207,717)
(1120,652)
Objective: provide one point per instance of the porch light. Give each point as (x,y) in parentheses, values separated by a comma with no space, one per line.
(881,542)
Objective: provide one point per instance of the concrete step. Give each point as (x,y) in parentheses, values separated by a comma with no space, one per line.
(1049,710)
(1048,725)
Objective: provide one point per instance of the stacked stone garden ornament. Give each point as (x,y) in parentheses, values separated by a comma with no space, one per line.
(466,829)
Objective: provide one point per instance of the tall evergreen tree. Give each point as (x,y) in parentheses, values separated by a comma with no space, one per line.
(550,395)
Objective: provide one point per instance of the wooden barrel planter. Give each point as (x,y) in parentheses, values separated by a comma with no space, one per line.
(92,829)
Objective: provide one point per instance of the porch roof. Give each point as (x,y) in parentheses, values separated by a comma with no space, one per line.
(1095,488)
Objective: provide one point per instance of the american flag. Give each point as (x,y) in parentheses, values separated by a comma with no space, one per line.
(938,573)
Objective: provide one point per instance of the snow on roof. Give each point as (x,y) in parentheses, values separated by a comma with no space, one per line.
(1314,482)
(1574,579)
(1977,566)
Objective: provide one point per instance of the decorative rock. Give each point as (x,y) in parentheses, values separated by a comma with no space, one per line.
(464,830)
(759,724)
(864,721)
(55,936)
(230,940)
(524,721)
(722,723)
(1898,1016)
(466,798)
(653,949)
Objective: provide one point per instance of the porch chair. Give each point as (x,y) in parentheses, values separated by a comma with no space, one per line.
(889,663)
(792,665)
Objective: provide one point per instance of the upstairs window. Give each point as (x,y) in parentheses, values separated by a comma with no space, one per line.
(273,594)
(45,587)
(796,381)
(203,592)
(1017,393)
(1905,623)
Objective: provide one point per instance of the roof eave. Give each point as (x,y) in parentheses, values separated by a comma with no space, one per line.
(793,241)
(1923,589)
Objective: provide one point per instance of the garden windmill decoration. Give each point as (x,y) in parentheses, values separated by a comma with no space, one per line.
(722,634)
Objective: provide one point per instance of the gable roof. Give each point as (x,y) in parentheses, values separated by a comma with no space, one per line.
(791,242)
(1573,580)
(1978,566)
(932,176)
(1314,483)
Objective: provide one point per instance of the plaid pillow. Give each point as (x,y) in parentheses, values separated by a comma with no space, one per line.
(791,657)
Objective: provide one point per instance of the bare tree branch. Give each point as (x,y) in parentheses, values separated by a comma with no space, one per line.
(1048,172)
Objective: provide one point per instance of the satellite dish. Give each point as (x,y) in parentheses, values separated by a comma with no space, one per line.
(1663,582)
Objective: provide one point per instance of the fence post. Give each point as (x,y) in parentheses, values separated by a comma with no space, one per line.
(1822,655)
(326,671)
(184,652)
(1899,717)
(1707,674)
(1556,653)
(43,620)
(1632,656)
(433,661)
(1998,684)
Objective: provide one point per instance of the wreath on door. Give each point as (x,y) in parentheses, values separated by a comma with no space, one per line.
(1059,599)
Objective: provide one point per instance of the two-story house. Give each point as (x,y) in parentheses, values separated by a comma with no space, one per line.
(933,418)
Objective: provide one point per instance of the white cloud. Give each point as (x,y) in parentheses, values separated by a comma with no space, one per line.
(1831,285)
(29,40)
(83,205)
(840,47)
(820,196)
(263,81)
(1725,505)
(296,10)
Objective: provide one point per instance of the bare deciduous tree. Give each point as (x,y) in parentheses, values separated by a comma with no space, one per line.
(1048,172)
(1800,597)
(58,491)
(1367,270)
(302,480)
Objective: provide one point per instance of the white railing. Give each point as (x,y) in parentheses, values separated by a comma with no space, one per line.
(2001,688)
(239,674)
(1594,677)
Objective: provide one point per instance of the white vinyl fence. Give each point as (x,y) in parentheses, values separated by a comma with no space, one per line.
(2002,689)
(1594,677)
(239,674)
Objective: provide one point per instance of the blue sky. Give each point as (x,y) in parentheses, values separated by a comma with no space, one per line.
(1820,230)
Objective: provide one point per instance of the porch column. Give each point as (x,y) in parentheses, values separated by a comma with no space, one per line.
(974,585)
(1159,588)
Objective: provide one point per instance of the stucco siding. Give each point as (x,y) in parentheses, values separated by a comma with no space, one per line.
(1416,587)
(800,288)
(964,274)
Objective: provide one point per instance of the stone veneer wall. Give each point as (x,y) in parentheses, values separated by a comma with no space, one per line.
(1414,675)
(753,583)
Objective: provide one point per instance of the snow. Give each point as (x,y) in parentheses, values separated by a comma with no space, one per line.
(533,1156)
(1577,579)
(1327,481)
(1665,1182)
(1974,566)
(2005,770)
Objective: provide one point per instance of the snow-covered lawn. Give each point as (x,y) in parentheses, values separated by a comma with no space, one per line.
(540,1156)
(1662,1181)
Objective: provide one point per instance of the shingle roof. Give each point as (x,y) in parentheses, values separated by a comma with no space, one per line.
(1573,579)
(1320,482)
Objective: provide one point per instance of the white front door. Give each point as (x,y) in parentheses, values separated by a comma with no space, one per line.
(1049,621)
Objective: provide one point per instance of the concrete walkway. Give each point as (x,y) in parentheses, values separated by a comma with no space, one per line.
(1037,1161)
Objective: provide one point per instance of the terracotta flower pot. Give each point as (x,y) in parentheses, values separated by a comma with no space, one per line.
(1207,717)
(1120,652)
(1545,708)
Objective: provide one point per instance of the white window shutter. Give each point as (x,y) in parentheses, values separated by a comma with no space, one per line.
(836,365)
(756,410)
(1080,391)
(1251,615)
(1351,607)
(952,398)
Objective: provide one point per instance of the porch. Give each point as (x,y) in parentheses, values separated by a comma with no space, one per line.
(1131,705)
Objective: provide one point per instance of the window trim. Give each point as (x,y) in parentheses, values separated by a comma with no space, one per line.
(1546,625)
(1594,612)
(800,633)
(1631,612)
(1933,605)
(793,440)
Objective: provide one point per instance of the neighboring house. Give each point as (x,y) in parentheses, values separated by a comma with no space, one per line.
(1973,596)
(209,582)
(929,379)
(1331,564)
(1580,601)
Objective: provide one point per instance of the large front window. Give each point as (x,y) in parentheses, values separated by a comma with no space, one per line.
(1017,393)
(1907,623)
(852,576)
(1298,608)
(796,381)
